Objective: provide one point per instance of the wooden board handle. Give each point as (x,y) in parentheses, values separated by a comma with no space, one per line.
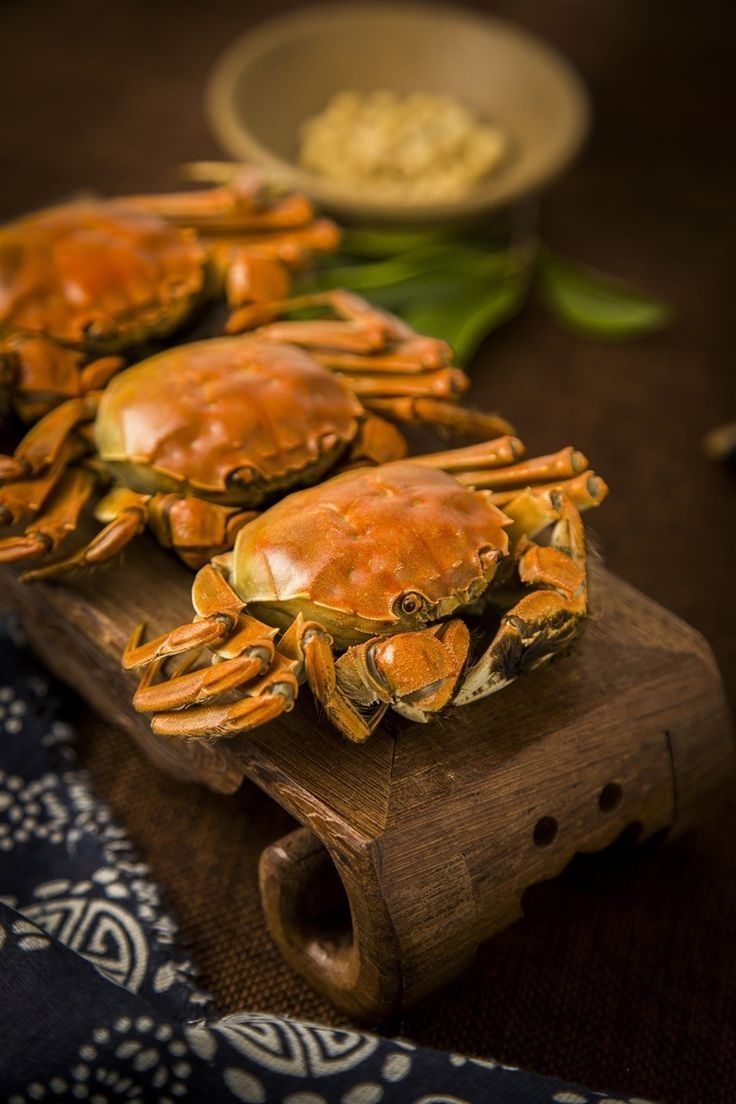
(330,925)
(307,908)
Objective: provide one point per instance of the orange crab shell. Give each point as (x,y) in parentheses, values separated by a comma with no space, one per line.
(371,551)
(98,275)
(190,418)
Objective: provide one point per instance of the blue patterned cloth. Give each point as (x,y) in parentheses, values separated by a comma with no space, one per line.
(98,1002)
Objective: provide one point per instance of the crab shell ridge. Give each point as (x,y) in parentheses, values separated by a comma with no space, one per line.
(371,552)
(232,419)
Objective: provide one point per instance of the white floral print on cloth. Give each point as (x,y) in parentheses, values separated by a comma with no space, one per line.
(99,1003)
(96,897)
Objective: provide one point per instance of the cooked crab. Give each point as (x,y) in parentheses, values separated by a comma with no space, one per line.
(248,419)
(360,586)
(94,278)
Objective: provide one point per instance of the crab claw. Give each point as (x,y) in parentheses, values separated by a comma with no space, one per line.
(415,672)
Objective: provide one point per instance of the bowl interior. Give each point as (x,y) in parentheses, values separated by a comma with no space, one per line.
(271,80)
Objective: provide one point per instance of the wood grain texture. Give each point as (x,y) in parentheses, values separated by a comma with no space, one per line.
(419,845)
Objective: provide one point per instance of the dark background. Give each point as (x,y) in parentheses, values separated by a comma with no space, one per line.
(623,974)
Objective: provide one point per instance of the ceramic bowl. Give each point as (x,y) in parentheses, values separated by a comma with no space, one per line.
(274,77)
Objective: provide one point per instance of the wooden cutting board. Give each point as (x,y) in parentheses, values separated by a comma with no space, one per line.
(418,845)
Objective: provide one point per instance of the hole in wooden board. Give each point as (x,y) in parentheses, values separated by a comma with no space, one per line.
(545,831)
(322,912)
(610,797)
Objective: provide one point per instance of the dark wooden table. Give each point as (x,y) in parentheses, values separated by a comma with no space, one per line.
(623,974)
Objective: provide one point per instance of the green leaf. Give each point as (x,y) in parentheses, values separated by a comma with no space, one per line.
(591,304)
(388,242)
(431,287)
(465,319)
(404,267)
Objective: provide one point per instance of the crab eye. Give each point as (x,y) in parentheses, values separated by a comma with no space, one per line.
(411,602)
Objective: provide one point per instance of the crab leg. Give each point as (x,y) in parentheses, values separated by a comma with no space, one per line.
(292,246)
(353,308)
(58,519)
(584,490)
(218,610)
(251,240)
(185,705)
(358,337)
(408,348)
(442,414)
(37,365)
(264,700)
(206,632)
(541,622)
(539,469)
(489,465)
(377,442)
(255,269)
(496,453)
(196,529)
(108,543)
(248,276)
(350,313)
(444,383)
(431,352)
(486,464)
(310,646)
(241,206)
(44,441)
(98,373)
(46,373)
(408,357)
(22,499)
(197,687)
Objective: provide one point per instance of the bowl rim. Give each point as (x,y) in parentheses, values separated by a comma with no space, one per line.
(234,135)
